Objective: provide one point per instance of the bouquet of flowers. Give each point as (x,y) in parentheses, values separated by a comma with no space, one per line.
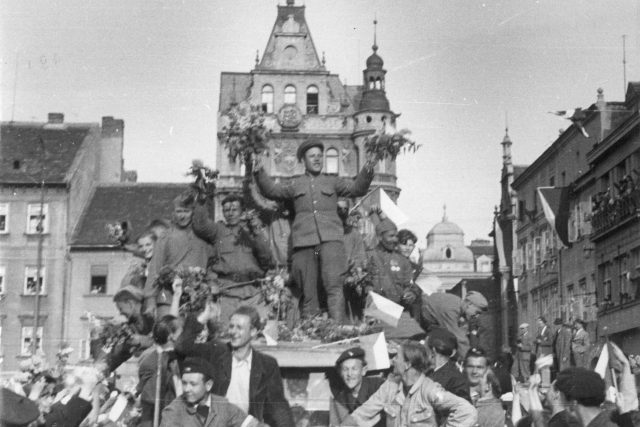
(119,233)
(106,335)
(276,294)
(325,330)
(196,289)
(245,133)
(385,143)
(205,179)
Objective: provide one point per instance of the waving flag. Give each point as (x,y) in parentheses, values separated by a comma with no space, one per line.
(577,117)
(555,204)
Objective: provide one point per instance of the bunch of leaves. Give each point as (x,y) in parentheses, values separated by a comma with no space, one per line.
(119,232)
(357,278)
(196,288)
(110,334)
(205,179)
(276,294)
(245,133)
(388,144)
(325,330)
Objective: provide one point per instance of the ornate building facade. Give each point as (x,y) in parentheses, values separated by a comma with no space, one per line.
(302,99)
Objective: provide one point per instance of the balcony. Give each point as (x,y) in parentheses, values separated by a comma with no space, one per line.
(611,213)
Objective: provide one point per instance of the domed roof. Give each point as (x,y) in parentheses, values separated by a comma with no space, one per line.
(374,62)
(445,227)
(374,100)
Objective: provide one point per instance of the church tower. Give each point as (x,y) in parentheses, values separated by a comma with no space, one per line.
(375,114)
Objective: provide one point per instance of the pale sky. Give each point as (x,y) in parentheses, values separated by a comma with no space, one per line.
(454,69)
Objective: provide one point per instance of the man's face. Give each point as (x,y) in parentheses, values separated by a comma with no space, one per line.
(128,308)
(240,331)
(313,159)
(540,323)
(343,209)
(406,248)
(182,216)
(232,212)
(399,363)
(351,372)
(194,387)
(146,246)
(389,239)
(471,310)
(475,368)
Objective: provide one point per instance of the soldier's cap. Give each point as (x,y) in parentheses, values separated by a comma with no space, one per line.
(524,326)
(309,143)
(385,225)
(581,384)
(582,322)
(129,292)
(352,353)
(197,365)
(477,299)
(16,410)
(443,341)
(184,200)
(557,321)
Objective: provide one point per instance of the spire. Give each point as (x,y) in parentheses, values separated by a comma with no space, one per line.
(444,213)
(506,143)
(324,60)
(375,35)
(257,57)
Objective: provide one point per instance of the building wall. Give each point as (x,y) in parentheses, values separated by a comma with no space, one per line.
(82,301)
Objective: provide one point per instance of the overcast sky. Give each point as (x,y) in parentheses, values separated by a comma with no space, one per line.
(454,69)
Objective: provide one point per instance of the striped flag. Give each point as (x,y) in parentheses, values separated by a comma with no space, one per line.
(555,205)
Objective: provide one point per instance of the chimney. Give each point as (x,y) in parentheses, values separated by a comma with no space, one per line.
(112,127)
(56,118)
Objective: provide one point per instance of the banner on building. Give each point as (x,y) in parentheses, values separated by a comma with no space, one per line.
(499,236)
(555,205)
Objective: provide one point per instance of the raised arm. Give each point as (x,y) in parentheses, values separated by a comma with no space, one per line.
(203,226)
(270,189)
(357,187)
(460,412)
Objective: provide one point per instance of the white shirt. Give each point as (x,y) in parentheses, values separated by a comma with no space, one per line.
(238,391)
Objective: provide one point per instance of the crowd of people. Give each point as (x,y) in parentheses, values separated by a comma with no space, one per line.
(199,367)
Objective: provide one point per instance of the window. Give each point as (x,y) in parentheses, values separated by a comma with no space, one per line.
(3,273)
(4,217)
(33,218)
(27,336)
(331,161)
(267,99)
(30,281)
(312,100)
(290,94)
(447,253)
(98,283)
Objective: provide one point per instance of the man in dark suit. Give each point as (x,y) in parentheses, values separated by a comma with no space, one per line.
(246,377)
(544,346)
(354,388)
(317,231)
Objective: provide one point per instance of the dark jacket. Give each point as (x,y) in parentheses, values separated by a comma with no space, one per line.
(452,380)
(266,394)
(544,340)
(70,414)
(343,402)
(222,413)
(147,374)
(315,202)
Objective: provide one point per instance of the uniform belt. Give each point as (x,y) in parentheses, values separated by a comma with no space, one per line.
(239,277)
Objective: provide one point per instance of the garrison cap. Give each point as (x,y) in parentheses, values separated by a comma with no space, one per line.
(352,353)
(385,225)
(477,299)
(309,143)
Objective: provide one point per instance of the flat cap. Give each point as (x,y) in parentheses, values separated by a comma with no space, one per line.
(352,353)
(477,299)
(129,292)
(309,143)
(385,225)
(197,365)
(581,384)
(443,341)
(16,410)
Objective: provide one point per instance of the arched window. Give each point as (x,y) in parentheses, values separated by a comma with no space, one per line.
(312,100)
(371,83)
(290,94)
(378,83)
(448,253)
(331,161)
(267,99)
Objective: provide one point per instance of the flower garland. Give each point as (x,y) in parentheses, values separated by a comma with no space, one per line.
(325,330)
(205,180)
(385,144)
(245,133)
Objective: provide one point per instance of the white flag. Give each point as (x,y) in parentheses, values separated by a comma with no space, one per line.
(383,309)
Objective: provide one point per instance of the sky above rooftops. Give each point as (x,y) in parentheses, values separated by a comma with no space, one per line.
(454,70)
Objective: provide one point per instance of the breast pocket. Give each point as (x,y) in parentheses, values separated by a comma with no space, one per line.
(422,417)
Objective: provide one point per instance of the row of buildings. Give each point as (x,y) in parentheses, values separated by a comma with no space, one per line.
(594,167)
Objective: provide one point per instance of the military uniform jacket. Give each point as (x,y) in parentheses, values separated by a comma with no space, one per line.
(417,408)
(445,310)
(315,202)
(391,273)
(222,413)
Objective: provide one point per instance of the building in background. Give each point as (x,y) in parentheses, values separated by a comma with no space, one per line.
(615,225)
(68,159)
(302,99)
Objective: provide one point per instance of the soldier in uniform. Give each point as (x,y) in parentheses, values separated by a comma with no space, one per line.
(521,369)
(180,247)
(354,389)
(241,254)
(317,231)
